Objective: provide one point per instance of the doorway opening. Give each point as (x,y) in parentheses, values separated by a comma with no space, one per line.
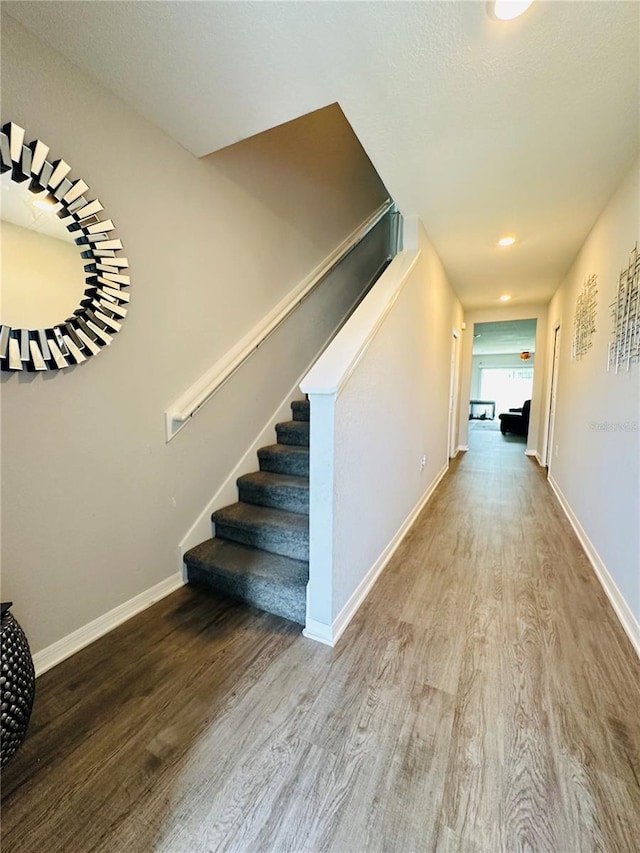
(503,364)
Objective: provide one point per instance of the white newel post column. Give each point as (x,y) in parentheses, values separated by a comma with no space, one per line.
(321,499)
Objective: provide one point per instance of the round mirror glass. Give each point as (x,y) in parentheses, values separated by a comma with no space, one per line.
(43,278)
(65,287)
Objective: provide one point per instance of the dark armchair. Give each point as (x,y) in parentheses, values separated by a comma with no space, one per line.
(516,420)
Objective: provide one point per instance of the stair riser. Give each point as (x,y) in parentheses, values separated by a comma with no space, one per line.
(300,410)
(294,464)
(288,544)
(297,435)
(292,500)
(289,602)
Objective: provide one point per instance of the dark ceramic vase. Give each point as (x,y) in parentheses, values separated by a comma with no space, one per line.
(17,685)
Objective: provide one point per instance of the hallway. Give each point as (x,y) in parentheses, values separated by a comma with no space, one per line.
(485,698)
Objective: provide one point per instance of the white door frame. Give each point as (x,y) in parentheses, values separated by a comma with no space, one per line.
(453,394)
(553,391)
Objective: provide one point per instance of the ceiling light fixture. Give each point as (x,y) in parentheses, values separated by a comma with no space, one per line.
(507,240)
(507,10)
(44,201)
(505,297)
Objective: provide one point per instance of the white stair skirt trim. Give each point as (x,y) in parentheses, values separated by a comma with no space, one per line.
(620,606)
(463,447)
(330,634)
(72,643)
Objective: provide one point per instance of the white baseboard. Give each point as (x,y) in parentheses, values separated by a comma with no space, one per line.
(72,643)
(618,602)
(536,456)
(330,634)
(318,631)
(463,447)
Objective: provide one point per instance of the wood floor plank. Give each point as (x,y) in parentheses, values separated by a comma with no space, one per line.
(473,784)
(484,698)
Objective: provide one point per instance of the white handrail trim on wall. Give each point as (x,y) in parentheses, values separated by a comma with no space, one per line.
(335,366)
(183,409)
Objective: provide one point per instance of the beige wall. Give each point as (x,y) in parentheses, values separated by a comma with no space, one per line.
(94,501)
(595,460)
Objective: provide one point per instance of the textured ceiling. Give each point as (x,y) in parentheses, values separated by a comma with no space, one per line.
(18,207)
(505,336)
(479,127)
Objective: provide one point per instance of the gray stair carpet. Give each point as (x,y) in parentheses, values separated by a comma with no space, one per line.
(284,459)
(293,432)
(260,551)
(300,410)
(276,490)
(268,581)
(274,530)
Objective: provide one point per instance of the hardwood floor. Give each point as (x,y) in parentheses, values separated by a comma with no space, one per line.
(485,698)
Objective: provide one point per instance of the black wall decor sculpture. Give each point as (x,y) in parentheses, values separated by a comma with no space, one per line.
(106,295)
(17,685)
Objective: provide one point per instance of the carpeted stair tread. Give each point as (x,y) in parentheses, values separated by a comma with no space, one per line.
(268,581)
(285,459)
(274,530)
(301,410)
(241,559)
(280,491)
(293,433)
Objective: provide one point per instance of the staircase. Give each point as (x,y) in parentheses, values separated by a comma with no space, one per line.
(260,553)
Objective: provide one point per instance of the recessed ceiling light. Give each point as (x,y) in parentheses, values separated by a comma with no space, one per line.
(507,10)
(505,297)
(507,240)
